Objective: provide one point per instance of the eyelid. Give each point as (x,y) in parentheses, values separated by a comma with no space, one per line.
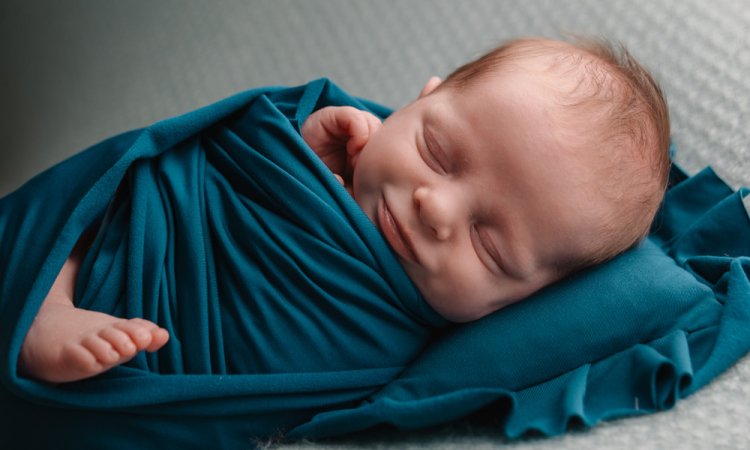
(489,250)
(432,159)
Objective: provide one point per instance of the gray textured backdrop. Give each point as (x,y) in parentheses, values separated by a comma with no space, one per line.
(75,72)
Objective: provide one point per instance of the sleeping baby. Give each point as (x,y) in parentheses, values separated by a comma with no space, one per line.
(522,167)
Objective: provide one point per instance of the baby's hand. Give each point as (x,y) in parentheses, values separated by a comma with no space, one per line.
(337,134)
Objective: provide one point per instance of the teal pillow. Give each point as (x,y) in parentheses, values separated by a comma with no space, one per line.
(628,337)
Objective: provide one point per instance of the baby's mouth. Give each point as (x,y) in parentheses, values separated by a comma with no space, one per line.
(397,237)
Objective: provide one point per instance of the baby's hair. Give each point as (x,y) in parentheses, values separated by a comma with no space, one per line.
(628,118)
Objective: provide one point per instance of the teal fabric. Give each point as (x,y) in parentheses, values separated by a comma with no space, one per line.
(629,337)
(281,298)
(289,314)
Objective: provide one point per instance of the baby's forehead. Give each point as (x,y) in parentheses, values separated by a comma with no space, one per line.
(567,69)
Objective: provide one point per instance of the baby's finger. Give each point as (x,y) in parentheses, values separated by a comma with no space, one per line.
(345,121)
(373,123)
(363,127)
(340,178)
(326,130)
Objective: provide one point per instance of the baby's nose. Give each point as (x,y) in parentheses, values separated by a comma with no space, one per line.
(434,212)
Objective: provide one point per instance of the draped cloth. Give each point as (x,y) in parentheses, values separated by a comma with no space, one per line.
(288,313)
(628,337)
(280,296)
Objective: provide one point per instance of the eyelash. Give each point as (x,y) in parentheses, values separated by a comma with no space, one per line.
(431,160)
(488,255)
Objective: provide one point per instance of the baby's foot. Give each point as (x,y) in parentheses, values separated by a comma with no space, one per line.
(66,343)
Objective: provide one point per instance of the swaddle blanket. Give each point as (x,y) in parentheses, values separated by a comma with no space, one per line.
(304,323)
(281,298)
(628,337)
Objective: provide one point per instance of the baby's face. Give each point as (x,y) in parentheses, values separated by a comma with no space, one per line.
(475,194)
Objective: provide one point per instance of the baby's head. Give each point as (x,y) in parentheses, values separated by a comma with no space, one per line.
(522,167)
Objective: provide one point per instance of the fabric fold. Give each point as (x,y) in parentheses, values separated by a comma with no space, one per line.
(281,298)
(630,337)
(197,228)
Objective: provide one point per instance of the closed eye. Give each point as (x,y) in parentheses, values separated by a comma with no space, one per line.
(431,154)
(486,251)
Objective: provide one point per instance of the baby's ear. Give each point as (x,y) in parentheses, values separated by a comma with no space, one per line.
(430,86)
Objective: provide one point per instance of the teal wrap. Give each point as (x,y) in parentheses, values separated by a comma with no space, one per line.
(289,313)
(628,337)
(281,298)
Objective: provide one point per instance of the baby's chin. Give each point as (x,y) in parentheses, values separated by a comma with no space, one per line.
(458,316)
(454,312)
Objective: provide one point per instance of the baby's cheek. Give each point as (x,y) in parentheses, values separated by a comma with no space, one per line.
(477,293)
(363,193)
(451,297)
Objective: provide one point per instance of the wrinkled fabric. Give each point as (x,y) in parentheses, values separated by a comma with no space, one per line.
(280,296)
(305,325)
(628,337)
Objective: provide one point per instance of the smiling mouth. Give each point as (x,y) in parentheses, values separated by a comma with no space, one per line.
(395,235)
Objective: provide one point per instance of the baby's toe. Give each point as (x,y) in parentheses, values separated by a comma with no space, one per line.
(101,350)
(159,337)
(78,358)
(120,341)
(139,331)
